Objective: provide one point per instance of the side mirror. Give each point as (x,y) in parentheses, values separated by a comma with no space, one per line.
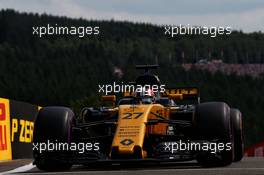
(175,96)
(109,98)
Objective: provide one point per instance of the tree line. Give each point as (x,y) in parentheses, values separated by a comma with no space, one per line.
(66,70)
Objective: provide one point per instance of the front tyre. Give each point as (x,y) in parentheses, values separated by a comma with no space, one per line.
(53,124)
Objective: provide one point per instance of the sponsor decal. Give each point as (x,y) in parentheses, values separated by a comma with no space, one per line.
(126,142)
(22,126)
(5,144)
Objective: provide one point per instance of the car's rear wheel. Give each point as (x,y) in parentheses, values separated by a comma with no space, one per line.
(236,118)
(53,125)
(212,122)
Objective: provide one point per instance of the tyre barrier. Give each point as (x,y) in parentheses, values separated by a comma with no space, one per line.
(16,129)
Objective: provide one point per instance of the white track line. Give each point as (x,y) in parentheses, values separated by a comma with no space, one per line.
(20,169)
(214,170)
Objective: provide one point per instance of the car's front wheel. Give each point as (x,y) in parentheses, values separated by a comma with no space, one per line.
(52,125)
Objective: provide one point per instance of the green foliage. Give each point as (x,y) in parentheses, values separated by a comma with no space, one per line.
(66,70)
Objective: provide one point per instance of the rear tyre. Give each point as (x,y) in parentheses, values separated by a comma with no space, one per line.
(236,118)
(212,122)
(53,124)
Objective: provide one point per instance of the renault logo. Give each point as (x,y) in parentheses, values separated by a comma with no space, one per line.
(126,142)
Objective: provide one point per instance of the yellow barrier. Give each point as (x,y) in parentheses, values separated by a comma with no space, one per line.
(16,129)
(5,142)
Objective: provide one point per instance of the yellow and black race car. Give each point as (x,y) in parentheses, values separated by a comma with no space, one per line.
(167,125)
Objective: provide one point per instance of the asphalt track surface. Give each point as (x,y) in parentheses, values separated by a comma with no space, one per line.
(247,166)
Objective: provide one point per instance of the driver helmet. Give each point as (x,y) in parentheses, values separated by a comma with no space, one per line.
(147,95)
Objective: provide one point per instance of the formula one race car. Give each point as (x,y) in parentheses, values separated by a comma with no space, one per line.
(166,125)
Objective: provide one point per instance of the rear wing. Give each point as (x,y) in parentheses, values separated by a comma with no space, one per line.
(188,93)
(147,67)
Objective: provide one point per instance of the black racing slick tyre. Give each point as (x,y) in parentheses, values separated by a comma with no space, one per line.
(212,122)
(236,118)
(52,125)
